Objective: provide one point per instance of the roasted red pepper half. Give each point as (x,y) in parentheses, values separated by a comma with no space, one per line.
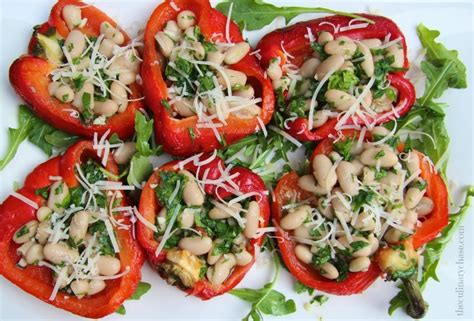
(287,190)
(29,76)
(247,181)
(38,280)
(296,43)
(182,137)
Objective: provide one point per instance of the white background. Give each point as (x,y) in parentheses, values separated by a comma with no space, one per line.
(163,302)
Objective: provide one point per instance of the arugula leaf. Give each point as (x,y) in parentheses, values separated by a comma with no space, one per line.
(144,130)
(17,135)
(140,291)
(37,132)
(434,250)
(442,66)
(320,299)
(301,288)
(256,14)
(140,170)
(266,300)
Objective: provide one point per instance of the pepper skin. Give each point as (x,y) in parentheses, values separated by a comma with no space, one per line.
(38,281)
(294,39)
(175,134)
(149,207)
(29,77)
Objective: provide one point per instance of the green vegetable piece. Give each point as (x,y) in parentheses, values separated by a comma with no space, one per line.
(51,47)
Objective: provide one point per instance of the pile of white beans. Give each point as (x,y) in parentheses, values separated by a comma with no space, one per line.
(121,67)
(332,176)
(340,53)
(198,250)
(36,245)
(178,40)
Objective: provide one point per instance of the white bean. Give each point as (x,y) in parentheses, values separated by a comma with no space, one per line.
(72,16)
(25,232)
(364,222)
(186,220)
(95,286)
(124,153)
(64,94)
(119,95)
(320,118)
(60,253)
(341,46)
(42,232)
(368,175)
(75,43)
(243,258)
(303,253)
(295,218)
(252,217)
(308,68)
(107,29)
(333,62)
(247,92)
(52,87)
(325,37)
(199,51)
(211,257)
(106,48)
(165,43)
(396,51)
(339,99)
(21,251)
(236,53)
(368,63)
(374,243)
(380,131)
(302,232)
(324,172)
(413,163)
(358,166)
(216,57)
(58,196)
(78,102)
(78,227)
(186,19)
(329,271)
(372,43)
(127,77)
(235,78)
(413,197)
(424,207)
(346,175)
(106,108)
(374,155)
(34,254)
(325,209)
(172,30)
(196,245)
(222,269)
(359,264)
(308,183)
(192,194)
(80,288)
(274,71)
(108,265)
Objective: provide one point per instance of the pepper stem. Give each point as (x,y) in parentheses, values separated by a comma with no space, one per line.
(416,307)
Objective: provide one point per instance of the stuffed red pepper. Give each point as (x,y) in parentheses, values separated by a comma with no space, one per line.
(65,239)
(202,82)
(358,196)
(202,223)
(337,73)
(80,72)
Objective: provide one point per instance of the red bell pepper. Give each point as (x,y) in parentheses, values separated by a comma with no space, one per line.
(288,190)
(37,280)
(29,77)
(436,190)
(174,134)
(294,39)
(149,207)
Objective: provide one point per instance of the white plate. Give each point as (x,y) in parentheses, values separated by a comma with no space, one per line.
(163,302)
